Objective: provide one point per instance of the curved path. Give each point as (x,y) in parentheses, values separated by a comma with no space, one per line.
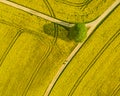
(93,25)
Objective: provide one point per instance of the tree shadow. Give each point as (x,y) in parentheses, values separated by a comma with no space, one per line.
(62,32)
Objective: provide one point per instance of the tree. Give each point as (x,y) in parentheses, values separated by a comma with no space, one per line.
(78,32)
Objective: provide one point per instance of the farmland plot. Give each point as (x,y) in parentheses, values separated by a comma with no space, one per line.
(33,49)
